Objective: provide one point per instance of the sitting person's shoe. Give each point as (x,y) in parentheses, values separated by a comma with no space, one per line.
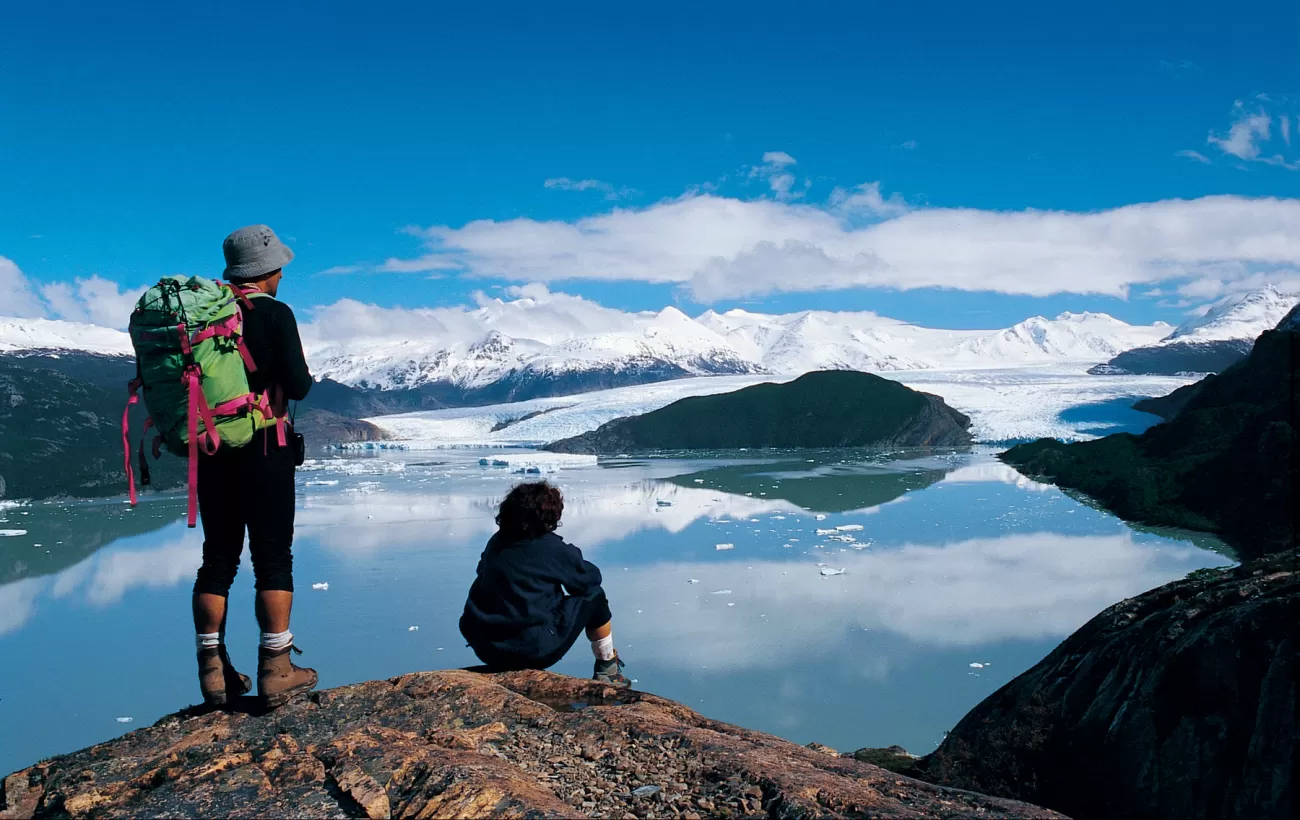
(219,681)
(278,678)
(610,672)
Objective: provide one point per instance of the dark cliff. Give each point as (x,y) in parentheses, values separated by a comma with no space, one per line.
(1179,703)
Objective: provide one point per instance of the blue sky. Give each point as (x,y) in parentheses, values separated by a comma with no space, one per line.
(134,137)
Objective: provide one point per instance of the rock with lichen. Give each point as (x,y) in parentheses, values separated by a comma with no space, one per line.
(462,744)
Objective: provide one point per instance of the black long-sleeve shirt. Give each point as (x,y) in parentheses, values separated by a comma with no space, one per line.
(271,335)
(517,603)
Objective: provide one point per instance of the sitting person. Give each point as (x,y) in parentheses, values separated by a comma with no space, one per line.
(534,594)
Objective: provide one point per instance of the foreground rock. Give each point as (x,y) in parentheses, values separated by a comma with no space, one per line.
(826,409)
(459,744)
(1177,703)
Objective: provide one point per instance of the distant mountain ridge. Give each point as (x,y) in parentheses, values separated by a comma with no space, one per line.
(557,345)
(1211,343)
(528,348)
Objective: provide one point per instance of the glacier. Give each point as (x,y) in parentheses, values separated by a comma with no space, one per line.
(1006,404)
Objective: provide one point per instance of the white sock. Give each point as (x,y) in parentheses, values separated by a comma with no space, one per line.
(603,648)
(276,640)
(207,640)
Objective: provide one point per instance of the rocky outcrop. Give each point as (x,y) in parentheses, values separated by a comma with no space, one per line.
(825,409)
(1177,703)
(460,744)
(1225,461)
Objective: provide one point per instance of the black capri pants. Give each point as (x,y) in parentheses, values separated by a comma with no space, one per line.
(594,612)
(247,488)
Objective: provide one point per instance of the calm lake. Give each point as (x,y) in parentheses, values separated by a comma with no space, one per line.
(948,560)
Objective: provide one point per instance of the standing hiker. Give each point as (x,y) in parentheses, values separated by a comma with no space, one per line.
(535,594)
(251,488)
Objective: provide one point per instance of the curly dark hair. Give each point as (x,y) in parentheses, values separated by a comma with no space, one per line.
(530,511)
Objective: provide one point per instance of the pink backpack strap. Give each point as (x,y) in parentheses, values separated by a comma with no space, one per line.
(209,440)
(133,397)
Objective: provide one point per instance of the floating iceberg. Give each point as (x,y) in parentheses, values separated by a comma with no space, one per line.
(849,528)
(12,533)
(829,571)
(724,547)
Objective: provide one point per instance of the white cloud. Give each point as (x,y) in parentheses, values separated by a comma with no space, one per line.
(95,301)
(339,270)
(1248,138)
(909,145)
(20,298)
(721,247)
(868,199)
(536,313)
(1193,155)
(610,191)
(775,170)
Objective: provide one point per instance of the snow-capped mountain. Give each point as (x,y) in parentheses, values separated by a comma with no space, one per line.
(550,344)
(1243,316)
(27,336)
(1210,343)
(519,349)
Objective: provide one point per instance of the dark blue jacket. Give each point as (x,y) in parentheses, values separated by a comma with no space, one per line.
(517,603)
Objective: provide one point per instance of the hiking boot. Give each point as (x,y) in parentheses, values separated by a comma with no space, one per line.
(278,679)
(218,679)
(609,672)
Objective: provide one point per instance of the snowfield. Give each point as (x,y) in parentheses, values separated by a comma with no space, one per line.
(1004,405)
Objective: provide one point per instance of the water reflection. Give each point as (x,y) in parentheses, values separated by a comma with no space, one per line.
(947,558)
(57,535)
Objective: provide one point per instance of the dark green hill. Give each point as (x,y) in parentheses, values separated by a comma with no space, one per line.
(62,436)
(840,408)
(1225,462)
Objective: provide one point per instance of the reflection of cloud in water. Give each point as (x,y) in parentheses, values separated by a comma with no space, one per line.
(104,578)
(120,571)
(594,514)
(17,602)
(1029,586)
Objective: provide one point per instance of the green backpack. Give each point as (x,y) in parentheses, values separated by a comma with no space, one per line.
(193,367)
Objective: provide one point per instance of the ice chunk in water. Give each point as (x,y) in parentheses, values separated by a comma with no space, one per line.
(821,517)
(413,629)
(12,533)
(849,527)
(977,666)
(692,580)
(829,571)
(321,585)
(125,719)
(720,592)
(724,546)
(699,481)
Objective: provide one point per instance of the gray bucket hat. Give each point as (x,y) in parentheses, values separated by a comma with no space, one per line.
(254,251)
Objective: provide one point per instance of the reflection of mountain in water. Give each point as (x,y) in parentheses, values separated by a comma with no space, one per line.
(72,533)
(827,486)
